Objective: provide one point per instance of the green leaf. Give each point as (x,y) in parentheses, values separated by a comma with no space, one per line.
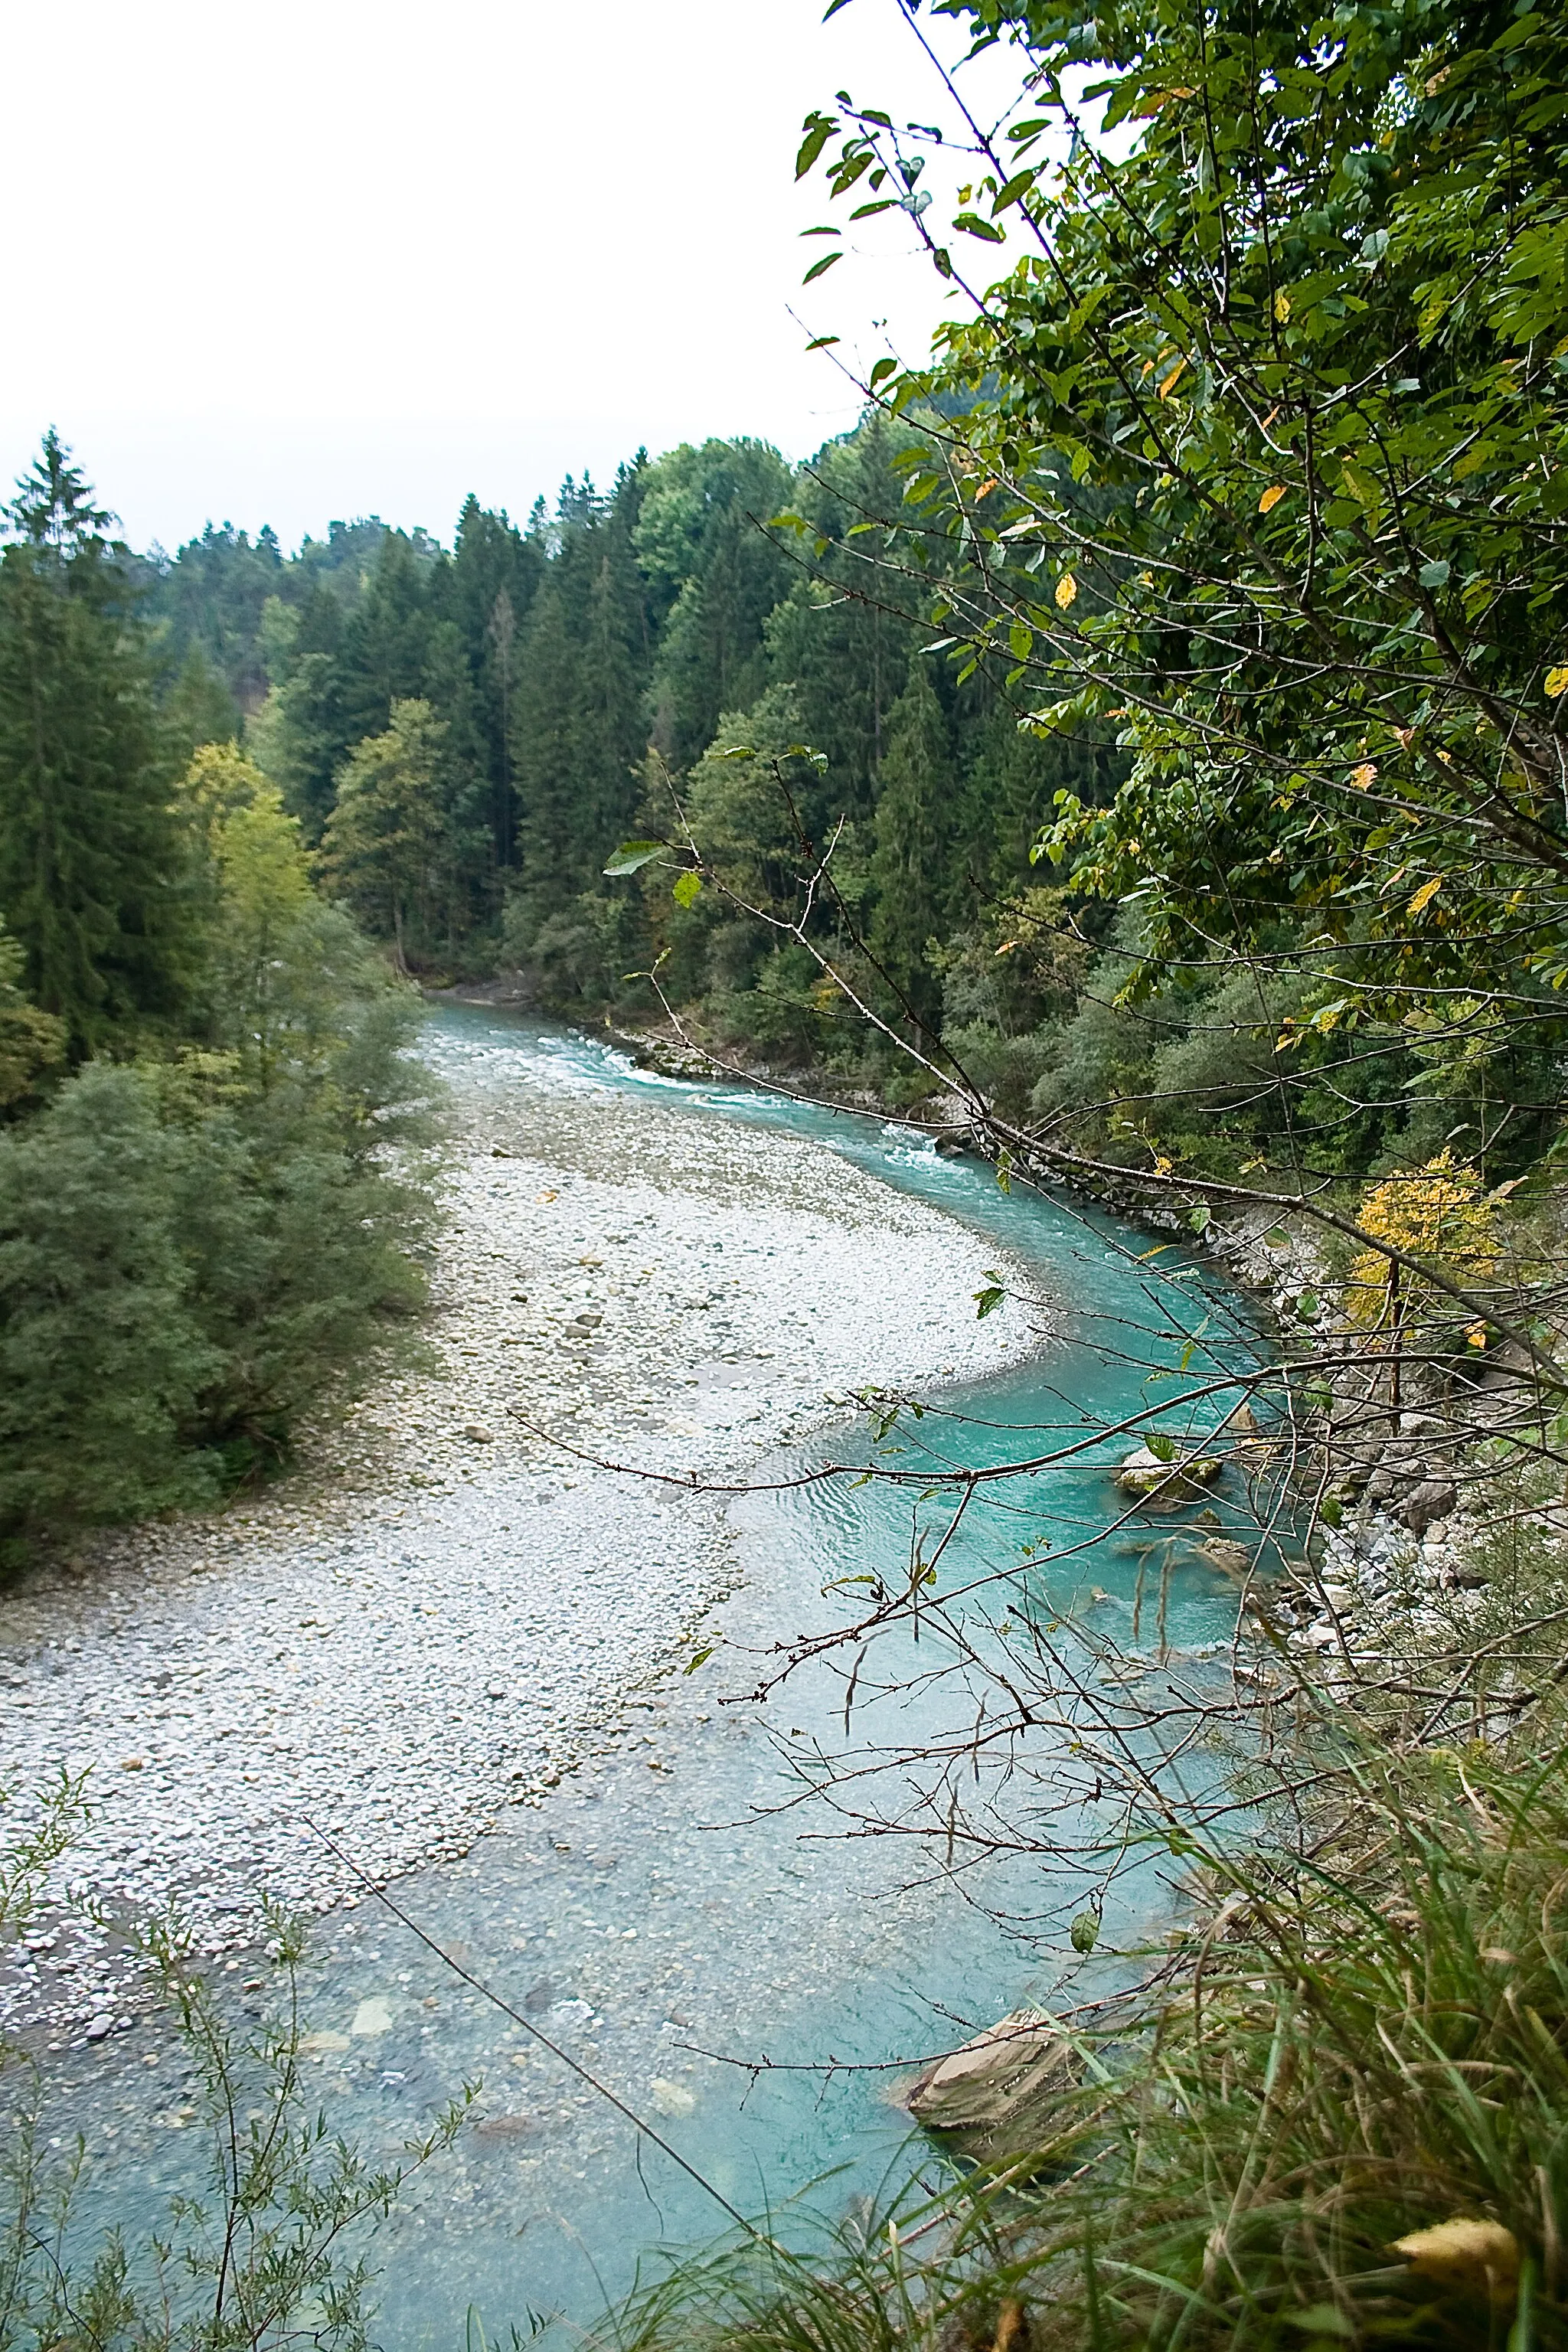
(883,369)
(1201,1219)
(688,889)
(1085,1932)
(1162,1447)
(633,854)
(699,1658)
(1435,575)
(988,1300)
(1307,1305)
(972,226)
(825,263)
(819,129)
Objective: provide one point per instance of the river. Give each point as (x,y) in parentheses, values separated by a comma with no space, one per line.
(705,1952)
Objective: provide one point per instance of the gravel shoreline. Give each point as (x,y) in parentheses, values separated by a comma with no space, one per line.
(442,1613)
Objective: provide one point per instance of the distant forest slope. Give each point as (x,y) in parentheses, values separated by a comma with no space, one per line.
(467,736)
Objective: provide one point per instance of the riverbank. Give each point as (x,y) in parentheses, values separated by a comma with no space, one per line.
(442,1611)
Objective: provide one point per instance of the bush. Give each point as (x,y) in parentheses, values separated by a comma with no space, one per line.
(193,1250)
(102,1356)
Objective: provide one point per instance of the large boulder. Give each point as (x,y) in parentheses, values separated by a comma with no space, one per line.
(990,2083)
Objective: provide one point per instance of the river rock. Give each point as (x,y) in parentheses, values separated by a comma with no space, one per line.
(671,2099)
(1232,1558)
(1166,1483)
(504,2126)
(1432,1500)
(985,2086)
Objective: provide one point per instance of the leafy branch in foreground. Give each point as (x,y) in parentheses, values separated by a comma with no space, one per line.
(1257,458)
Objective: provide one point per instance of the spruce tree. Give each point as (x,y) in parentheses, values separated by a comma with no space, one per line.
(543,745)
(578,728)
(494,575)
(93,858)
(714,575)
(912,868)
(302,732)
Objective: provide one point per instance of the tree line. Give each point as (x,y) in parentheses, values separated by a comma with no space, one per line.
(467,736)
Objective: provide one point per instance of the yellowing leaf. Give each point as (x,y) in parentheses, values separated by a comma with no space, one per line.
(1425,896)
(1281,307)
(1363,777)
(1271,497)
(1557,680)
(1157,99)
(1168,386)
(1067,589)
(1463,2253)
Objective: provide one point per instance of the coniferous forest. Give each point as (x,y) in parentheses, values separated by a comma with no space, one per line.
(467,736)
(251,799)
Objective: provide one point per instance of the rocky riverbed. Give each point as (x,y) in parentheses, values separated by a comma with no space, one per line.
(444,1609)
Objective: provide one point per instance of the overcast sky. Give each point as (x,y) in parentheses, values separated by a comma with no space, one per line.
(348,257)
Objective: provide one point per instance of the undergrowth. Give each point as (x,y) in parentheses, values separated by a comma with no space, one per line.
(1338,2116)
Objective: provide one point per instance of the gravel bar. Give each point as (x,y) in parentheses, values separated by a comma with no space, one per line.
(442,1611)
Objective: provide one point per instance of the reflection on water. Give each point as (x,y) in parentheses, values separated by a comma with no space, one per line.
(663,1918)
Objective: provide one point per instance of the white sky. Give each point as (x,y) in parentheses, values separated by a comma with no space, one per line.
(342,257)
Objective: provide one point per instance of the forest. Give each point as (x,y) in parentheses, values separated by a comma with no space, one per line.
(214,1209)
(872,812)
(467,737)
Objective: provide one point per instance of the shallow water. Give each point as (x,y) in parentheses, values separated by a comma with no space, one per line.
(661,1923)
